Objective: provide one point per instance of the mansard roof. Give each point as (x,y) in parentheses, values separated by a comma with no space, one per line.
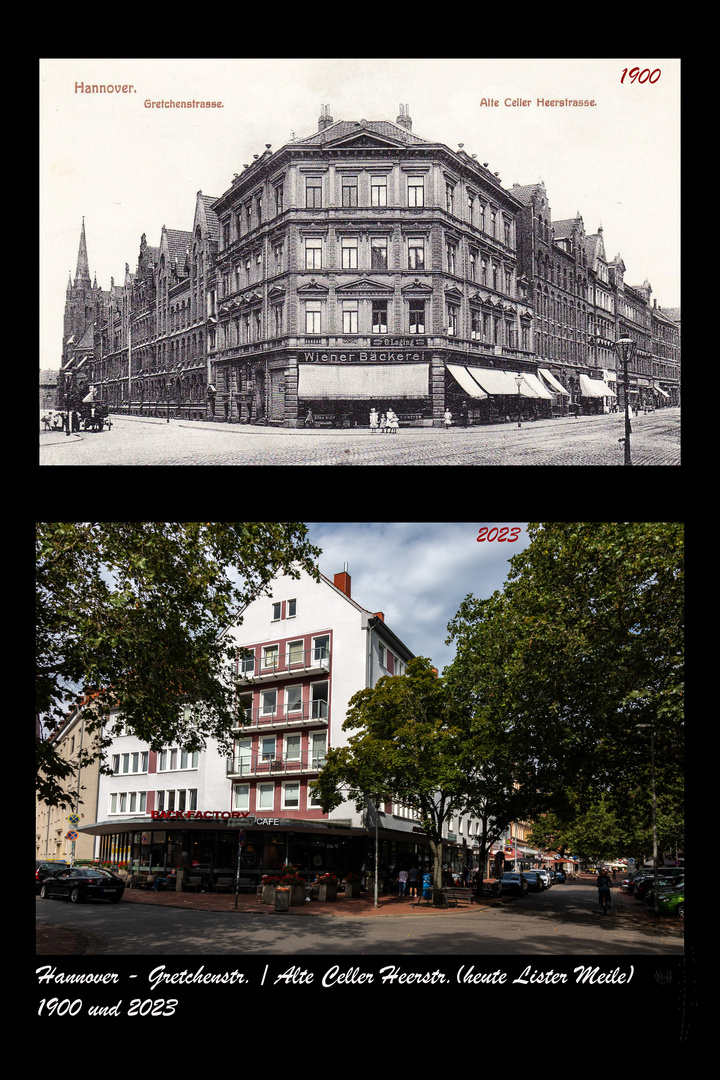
(348,131)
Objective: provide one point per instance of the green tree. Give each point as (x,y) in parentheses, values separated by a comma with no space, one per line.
(410,746)
(580,656)
(132,615)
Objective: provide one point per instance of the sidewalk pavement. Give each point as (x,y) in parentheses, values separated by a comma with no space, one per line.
(54,941)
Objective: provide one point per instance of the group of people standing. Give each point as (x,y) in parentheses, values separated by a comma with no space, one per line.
(385,422)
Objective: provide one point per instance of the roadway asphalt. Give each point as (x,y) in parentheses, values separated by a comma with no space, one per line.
(57,941)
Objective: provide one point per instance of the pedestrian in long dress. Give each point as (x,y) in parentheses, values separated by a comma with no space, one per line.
(373,420)
(383,423)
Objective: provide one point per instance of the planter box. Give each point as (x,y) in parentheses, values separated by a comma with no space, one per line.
(327,892)
(352,890)
(297,894)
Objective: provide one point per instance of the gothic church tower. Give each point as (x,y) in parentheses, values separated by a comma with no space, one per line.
(85,303)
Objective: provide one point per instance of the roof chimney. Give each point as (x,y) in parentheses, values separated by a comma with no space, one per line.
(325,118)
(404,118)
(342,582)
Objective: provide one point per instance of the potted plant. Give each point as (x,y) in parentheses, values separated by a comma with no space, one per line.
(327,887)
(352,886)
(269,884)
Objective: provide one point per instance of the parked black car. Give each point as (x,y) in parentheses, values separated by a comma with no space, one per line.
(559,877)
(535,882)
(44,868)
(514,883)
(646,884)
(77,883)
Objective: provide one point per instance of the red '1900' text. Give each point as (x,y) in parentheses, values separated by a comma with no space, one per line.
(501,535)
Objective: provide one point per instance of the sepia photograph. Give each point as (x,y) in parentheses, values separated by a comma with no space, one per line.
(360,261)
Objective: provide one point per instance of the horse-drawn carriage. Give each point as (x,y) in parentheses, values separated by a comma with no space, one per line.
(94,416)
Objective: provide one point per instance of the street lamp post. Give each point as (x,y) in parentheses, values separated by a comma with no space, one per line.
(625,348)
(518,380)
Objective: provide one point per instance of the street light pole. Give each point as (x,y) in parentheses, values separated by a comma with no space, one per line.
(625,347)
(518,380)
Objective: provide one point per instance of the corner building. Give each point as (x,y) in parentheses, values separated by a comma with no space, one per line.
(302,653)
(364,266)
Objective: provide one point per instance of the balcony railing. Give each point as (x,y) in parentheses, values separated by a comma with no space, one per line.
(309,712)
(291,662)
(253,765)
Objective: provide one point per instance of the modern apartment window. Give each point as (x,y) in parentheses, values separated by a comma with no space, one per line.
(349,246)
(270,655)
(382,654)
(319,700)
(267,748)
(313,253)
(313,191)
(378,190)
(349,190)
(291,609)
(189,759)
(242,758)
(379,253)
(293,747)
(318,748)
(241,797)
(293,699)
(350,316)
(295,652)
(416,253)
(246,664)
(266,796)
(321,648)
(312,317)
(277,611)
(379,317)
(417,316)
(268,702)
(291,796)
(416,191)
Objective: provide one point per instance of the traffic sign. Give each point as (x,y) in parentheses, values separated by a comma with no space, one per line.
(74,819)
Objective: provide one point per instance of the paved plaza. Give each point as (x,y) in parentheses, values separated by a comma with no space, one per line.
(587,440)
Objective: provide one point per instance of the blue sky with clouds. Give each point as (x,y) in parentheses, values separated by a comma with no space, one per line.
(417,574)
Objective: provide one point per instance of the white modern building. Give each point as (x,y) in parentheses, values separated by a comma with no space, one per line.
(302,653)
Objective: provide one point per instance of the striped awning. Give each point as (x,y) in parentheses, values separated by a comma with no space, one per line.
(465,380)
(595,388)
(552,382)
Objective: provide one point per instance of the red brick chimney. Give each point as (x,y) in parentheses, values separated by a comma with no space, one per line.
(342,581)
(379,615)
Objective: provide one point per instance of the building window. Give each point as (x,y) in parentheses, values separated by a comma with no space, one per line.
(416,191)
(451,257)
(319,700)
(279,199)
(349,191)
(293,747)
(449,196)
(313,254)
(266,797)
(293,699)
(452,320)
(291,609)
(268,702)
(313,191)
(278,319)
(416,253)
(379,253)
(246,664)
(270,655)
(349,253)
(278,253)
(268,748)
(379,317)
(321,649)
(312,317)
(241,797)
(295,652)
(318,748)
(378,190)
(417,316)
(291,795)
(350,316)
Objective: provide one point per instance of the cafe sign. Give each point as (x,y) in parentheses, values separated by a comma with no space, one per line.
(232,817)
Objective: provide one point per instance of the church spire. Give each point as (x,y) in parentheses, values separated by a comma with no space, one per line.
(82,273)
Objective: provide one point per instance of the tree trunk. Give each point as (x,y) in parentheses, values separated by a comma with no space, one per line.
(437,877)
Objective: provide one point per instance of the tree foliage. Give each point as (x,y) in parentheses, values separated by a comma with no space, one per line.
(131,615)
(580,659)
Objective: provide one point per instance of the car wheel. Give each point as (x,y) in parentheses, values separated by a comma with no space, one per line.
(44,892)
(680,911)
(75,895)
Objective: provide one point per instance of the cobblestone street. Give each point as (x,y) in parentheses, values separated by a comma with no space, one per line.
(588,440)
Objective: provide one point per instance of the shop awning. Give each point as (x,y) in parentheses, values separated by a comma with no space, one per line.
(464,379)
(538,387)
(553,383)
(660,390)
(594,388)
(495,382)
(347,382)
